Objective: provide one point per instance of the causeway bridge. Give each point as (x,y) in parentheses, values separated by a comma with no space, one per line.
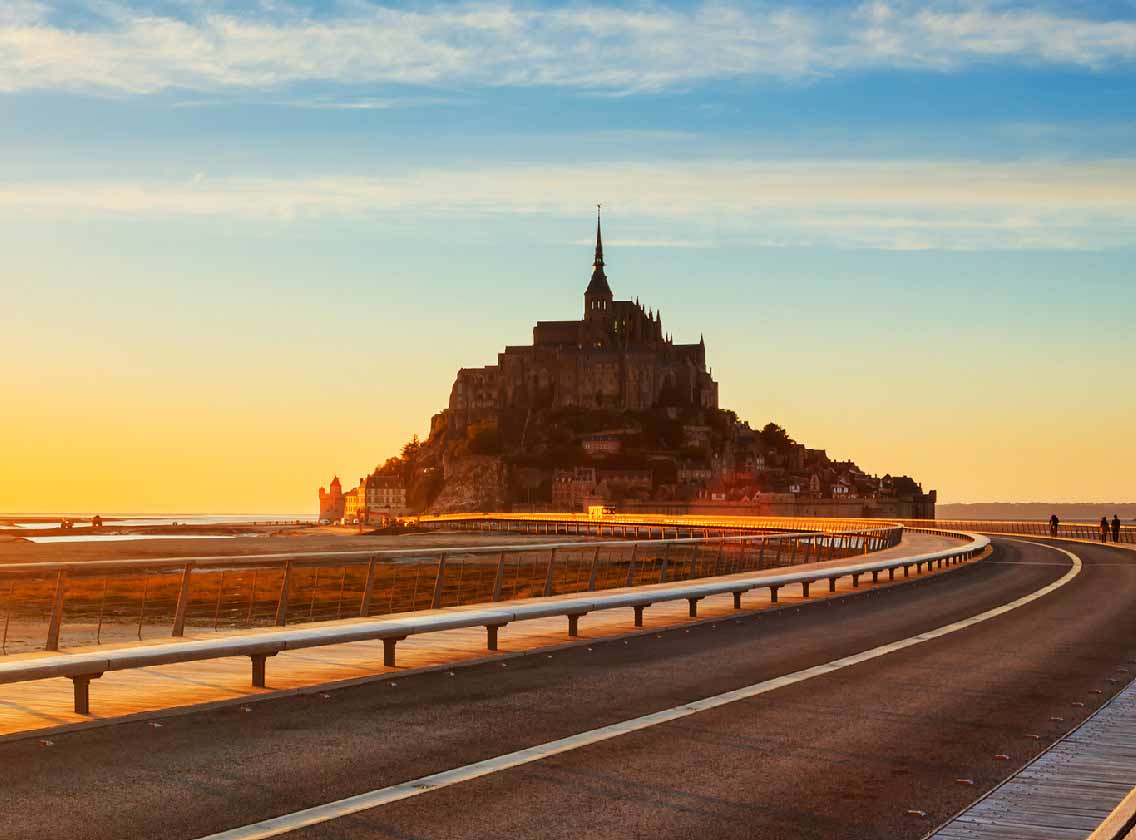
(567,675)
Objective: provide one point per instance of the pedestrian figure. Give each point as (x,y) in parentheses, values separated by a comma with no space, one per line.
(1053,523)
(1104,529)
(1115,528)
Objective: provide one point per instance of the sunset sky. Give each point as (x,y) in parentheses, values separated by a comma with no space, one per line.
(246,246)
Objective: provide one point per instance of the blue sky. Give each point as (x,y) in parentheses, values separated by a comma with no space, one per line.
(843,197)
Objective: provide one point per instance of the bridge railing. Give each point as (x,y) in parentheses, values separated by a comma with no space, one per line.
(46,605)
(1066,530)
(635,525)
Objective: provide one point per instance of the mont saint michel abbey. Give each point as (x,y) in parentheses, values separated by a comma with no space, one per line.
(616,357)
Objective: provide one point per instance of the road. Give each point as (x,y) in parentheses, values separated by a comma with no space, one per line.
(845,754)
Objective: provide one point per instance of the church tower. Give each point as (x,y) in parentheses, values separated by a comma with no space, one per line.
(597,297)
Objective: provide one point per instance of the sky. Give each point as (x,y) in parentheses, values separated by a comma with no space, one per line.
(246,246)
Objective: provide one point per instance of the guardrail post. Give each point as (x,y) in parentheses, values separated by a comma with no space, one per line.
(639,615)
(693,602)
(891,573)
(388,650)
(593,570)
(57,615)
(81,686)
(258,669)
(282,603)
(737,600)
(832,584)
(773,594)
(368,588)
(499,581)
(574,624)
(182,602)
(855,581)
(805,588)
(436,598)
(548,574)
(491,635)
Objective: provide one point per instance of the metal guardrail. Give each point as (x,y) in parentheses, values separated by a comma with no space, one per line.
(634,525)
(84,667)
(1065,530)
(91,602)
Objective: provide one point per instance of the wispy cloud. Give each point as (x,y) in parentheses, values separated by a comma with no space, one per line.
(494,43)
(959,204)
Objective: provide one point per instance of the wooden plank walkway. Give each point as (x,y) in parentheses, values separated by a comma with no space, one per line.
(1067,791)
(45,706)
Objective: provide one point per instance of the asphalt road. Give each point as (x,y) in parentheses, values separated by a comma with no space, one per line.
(844,755)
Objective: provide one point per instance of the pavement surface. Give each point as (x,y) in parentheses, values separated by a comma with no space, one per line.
(870,751)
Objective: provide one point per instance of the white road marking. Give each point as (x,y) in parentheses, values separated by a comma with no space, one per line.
(384,796)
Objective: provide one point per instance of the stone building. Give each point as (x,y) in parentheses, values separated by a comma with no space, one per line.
(331,503)
(385,497)
(616,357)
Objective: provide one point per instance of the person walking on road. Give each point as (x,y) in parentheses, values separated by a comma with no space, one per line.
(1053,523)
(1115,528)
(1104,529)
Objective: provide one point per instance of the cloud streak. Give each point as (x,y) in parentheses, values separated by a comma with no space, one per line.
(896,205)
(594,48)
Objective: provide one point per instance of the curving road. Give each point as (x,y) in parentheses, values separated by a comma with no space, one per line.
(845,754)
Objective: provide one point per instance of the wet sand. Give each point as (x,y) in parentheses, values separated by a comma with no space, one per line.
(261,539)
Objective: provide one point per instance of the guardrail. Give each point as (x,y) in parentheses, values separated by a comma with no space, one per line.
(633,526)
(1066,530)
(82,668)
(95,601)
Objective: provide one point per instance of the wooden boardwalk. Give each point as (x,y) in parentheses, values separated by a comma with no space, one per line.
(1067,791)
(45,706)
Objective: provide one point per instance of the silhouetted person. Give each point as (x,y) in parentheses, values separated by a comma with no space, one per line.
(1104,529)
(1053,523)
(1115,528)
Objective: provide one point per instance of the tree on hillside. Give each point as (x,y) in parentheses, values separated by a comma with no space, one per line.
(775,438)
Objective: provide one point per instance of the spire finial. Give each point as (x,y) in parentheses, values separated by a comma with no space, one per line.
(599,239)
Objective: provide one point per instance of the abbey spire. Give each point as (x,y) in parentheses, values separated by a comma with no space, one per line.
(598,297)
